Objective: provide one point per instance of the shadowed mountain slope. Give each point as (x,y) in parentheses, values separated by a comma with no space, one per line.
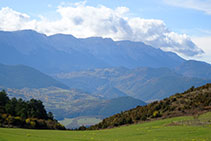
(20,76)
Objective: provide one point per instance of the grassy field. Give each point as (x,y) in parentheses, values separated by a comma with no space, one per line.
(172,129)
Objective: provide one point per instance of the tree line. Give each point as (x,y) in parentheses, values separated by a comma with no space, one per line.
(25,114)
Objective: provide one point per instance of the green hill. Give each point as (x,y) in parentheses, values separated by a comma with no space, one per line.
(20,76)
(192,102)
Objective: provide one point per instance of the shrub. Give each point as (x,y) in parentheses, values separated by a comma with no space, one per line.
(156,114)
(10,120)
(32,124)
(27,121)
(82,127)
(143,117)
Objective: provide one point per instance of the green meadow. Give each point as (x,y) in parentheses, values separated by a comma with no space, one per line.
(172,129)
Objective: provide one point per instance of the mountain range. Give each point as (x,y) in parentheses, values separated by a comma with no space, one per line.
(92,76)
(143,83)
(65,53)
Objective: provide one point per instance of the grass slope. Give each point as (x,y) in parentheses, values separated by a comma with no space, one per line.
(155,130)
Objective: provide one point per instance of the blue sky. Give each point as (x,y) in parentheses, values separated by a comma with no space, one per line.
(183,20)
(189,17)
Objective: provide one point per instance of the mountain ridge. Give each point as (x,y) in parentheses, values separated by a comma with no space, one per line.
(143,83)
(20,76)
(193,68)
(64,53)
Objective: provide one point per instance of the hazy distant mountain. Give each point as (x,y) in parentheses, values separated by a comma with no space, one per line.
(34,49)
(142,83)
(119,104)
(20,76)
(109,92)
(73,103)
(65,53)
(25,82)
(194,68)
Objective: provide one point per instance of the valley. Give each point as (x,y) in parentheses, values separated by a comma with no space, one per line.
(105,70)
(73,103)
(119,89)
(74,123)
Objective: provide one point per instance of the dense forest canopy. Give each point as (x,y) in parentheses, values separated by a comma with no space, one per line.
(28,114)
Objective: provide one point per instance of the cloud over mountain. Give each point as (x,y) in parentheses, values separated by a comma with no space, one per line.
(82,21)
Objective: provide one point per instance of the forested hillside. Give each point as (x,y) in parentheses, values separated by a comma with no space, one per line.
(194,101)
(25,114)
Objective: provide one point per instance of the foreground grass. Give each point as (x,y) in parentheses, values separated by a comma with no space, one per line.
(155,130)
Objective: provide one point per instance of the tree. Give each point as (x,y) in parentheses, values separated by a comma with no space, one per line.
(3,98)
(21,108)
(37,109)
(10,106)
(50,115)
(27,114)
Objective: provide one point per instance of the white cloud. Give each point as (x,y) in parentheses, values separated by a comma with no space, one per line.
(82,21)
(12,20)
(201,5)
(205,44)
